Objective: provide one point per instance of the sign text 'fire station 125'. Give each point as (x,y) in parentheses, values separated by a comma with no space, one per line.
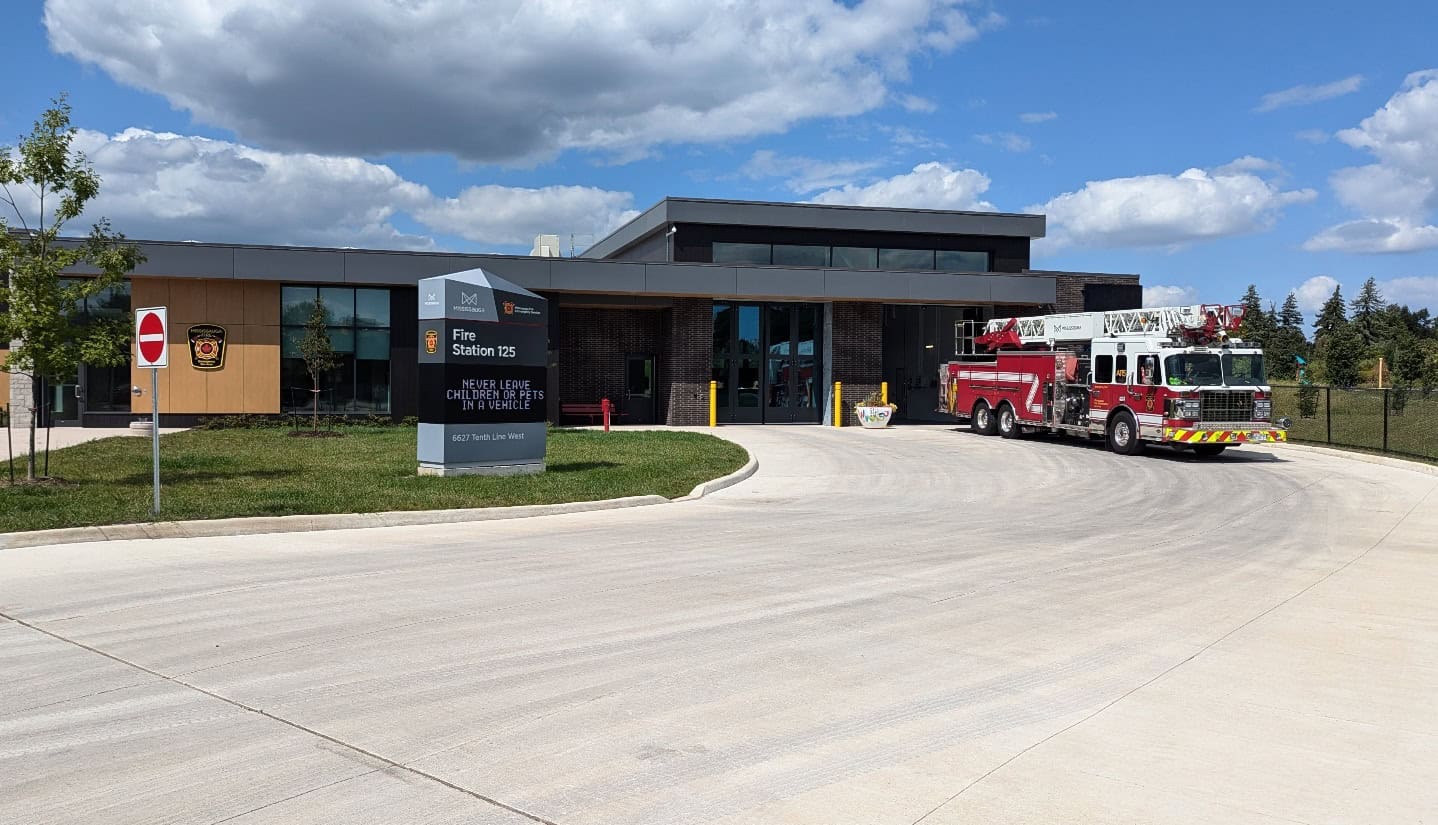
(466,342)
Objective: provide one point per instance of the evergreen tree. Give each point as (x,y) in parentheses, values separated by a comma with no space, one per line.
(1343,357)
(1258,324)
(1332,318)
(1291,317)
(1366,308)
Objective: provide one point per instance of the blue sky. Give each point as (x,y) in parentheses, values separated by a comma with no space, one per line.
(1311,136)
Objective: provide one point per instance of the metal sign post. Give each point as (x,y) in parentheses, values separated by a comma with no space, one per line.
(152,333)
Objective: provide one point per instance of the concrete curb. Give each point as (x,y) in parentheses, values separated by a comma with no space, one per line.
(348,521)
(1366,458)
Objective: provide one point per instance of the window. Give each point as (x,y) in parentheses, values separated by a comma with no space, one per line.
(742,253)
(856,257)
(795,255)
(1103,369)
(1120,374)
(955,261)
(1194,369)
(906,259)
(1147,370)
(358,324)
(107,389)
(1243,370)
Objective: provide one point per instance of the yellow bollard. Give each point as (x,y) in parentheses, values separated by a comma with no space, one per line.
(713,403)
(884,391)
(838,403)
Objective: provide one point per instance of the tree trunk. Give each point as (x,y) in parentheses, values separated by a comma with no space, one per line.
(315,408)
(35,407)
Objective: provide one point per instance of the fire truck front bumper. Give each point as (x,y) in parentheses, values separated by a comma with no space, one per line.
(1265,435)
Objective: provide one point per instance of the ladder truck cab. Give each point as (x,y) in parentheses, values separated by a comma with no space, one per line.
(1175,376)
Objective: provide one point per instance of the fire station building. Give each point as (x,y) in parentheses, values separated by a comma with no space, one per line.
(772,301)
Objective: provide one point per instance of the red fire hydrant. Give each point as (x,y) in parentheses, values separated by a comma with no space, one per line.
(606,406)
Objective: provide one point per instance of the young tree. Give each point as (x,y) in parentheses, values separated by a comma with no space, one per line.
(45,184)
(319,356)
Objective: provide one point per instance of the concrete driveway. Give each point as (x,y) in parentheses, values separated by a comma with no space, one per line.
(910,626)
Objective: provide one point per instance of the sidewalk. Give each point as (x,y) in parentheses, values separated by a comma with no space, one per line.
(61,437)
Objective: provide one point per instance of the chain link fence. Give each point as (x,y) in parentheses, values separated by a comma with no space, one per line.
(1402,421)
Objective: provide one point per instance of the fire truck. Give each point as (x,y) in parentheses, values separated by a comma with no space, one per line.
(1175,376)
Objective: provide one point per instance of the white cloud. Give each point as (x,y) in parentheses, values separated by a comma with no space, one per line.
(914,103)
(1313,292)
(929,186)
(1008,141)
(1169,296)
(1374,235)
(803,174)
(1168,210)
(1396,196)
(1416,291)
(166,186)
(909,138)
(163,186)
(512,216)
(1305,94)
(509,80)
(1037,117)
(1247,163)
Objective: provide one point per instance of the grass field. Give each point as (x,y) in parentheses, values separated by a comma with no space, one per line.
(265,472)
(1357,420)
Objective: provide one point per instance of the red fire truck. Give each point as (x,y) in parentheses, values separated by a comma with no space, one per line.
(1176,376)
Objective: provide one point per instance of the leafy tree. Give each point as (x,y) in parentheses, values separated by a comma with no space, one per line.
(46,184)
(319,356)
(1332,318)
(1366,308)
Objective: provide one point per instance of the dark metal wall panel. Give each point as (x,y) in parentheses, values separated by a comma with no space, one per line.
(670,279)
(580,276)
(318,266)
(403,352)
(197,261)
(401,268)
(776,282)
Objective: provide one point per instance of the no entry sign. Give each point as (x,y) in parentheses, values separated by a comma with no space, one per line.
(152,332)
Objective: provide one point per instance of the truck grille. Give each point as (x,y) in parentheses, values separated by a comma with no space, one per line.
(1225,406)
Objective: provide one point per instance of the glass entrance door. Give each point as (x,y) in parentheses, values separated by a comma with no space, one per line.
(767,362)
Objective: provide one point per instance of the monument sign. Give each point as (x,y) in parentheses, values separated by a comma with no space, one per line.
(483,343)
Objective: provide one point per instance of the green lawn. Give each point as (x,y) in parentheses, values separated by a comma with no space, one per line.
(1357,420)
(265,472)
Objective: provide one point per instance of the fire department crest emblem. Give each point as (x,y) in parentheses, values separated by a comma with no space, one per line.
(431,341)
(207,346)
(508,307)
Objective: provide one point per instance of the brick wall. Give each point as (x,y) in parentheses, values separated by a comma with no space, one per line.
(858,353)
(592,346)
(684,371)
(1069,287)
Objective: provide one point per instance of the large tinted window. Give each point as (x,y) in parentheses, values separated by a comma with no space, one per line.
(357,322)
(1243,370)
(742,253)
(956,261)
(1195,369)
(906,259)
(856,257)
(796,255)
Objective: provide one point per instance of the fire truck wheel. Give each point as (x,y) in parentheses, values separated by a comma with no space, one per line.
(1208,450)
(1123,434)
(982,421)
(1008,422)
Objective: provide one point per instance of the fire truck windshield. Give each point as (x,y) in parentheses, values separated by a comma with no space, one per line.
(1194,369)
(1243,369)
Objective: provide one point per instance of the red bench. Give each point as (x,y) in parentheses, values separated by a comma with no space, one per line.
(593,411)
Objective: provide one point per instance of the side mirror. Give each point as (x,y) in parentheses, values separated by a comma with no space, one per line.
(1284,423)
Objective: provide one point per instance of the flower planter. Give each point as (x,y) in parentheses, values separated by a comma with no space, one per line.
(874,418)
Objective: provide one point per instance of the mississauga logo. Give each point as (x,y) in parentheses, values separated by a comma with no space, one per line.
(469,302)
